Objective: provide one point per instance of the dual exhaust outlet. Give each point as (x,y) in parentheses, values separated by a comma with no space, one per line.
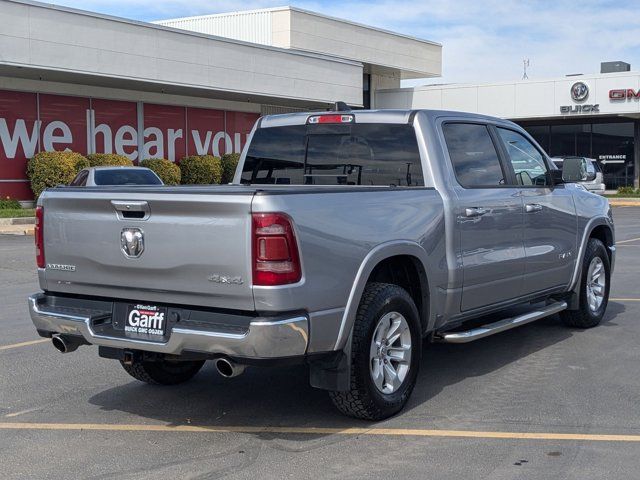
(66,344)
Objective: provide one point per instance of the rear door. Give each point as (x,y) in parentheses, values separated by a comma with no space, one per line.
(550,222)
(489,216)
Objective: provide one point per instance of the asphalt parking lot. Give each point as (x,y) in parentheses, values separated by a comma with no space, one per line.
(541,401)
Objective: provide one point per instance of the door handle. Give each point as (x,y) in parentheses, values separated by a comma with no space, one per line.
(532,207)
(474,211)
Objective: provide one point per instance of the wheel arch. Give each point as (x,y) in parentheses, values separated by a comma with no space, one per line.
(378,265)
(604,233)
(602,229)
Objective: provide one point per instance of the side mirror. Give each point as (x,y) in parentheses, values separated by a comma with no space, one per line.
(555,177)
(575,170)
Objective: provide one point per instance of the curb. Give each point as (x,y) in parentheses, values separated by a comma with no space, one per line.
(15,230)
(18,221)
(624,202)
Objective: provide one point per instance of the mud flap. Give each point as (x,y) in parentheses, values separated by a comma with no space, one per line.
(332,372)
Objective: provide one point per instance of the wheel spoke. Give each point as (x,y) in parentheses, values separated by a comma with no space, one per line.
(391,377)
(377,374)
(379,335)
(597,270)
(400,354)
(598,289)
(373,350)
(592,301)
(394,331)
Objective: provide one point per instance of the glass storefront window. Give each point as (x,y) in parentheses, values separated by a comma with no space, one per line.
(540,134)
(570,140)
(613,148)
(612,144)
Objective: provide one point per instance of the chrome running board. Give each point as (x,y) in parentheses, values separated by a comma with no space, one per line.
(502,325)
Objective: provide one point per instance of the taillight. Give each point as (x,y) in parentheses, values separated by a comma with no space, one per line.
(38,233)
(275,251)
(332,118)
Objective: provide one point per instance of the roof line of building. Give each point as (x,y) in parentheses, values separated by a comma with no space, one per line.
(76,11)
(575,78)
(308,12)
(143,80)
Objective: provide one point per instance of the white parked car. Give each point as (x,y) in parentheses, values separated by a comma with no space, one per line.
(594,171)
(109,176)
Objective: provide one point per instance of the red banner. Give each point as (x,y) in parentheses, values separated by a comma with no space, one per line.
(87,125)
(206,129)
(238,126)
(19,135)
(114,127)
(164,128)
(63,123)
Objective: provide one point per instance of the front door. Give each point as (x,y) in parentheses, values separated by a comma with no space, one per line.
(550,222)
(489,217)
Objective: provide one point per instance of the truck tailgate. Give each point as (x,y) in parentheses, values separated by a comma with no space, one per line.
(196,245)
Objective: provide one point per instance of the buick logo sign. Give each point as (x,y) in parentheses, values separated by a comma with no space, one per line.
(579,91)
(132,242)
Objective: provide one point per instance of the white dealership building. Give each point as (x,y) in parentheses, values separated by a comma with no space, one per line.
(78,80)
(82,81)
(596,116)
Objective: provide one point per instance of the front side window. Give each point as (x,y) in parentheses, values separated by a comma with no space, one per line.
(473,155)
(359,154)
(527,161)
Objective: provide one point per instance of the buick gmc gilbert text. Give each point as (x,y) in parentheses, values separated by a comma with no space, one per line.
(346,239)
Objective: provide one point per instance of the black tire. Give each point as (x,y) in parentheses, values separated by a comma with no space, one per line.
(163,372)
(585,316)
(364,400)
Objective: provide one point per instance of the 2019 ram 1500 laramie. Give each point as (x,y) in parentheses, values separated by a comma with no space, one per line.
(346,238)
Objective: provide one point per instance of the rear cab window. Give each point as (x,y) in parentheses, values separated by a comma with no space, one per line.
(373,154)
(128,176)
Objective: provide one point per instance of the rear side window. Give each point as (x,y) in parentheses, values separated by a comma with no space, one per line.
(130,176)
(473,155)
(355,154)
(80,180)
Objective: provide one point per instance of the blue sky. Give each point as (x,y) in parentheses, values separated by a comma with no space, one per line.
(483,40)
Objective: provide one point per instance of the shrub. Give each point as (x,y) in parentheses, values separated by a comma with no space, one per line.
(48,169)
(108,160)
(625,190)
(200,169)
(8,203)
(168,171)
(229,164)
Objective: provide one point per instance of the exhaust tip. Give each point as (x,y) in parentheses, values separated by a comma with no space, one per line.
(59,344)
(228,369)
(65,344)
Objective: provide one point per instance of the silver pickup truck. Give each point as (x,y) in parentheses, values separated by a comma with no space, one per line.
(346,239)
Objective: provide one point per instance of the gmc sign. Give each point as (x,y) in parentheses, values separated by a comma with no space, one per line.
(624,93)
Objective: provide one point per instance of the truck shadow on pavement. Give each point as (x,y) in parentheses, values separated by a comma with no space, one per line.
(496,374)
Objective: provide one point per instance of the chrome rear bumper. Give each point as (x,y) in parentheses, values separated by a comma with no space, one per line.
(264,337)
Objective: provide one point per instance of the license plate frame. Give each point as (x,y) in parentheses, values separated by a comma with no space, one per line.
(145,321)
